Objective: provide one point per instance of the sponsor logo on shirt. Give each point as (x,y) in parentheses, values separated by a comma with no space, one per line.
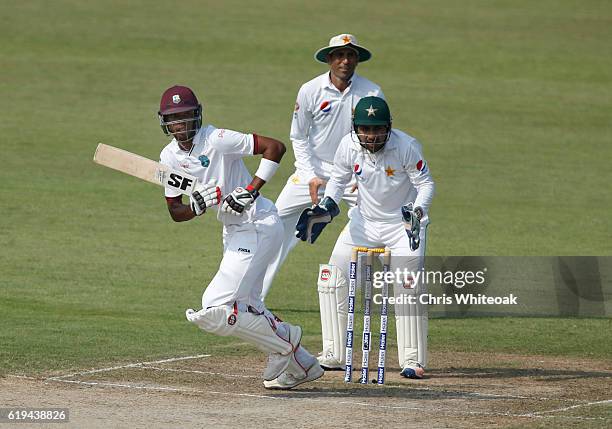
(243,250)
(422,166)
(325,107)
(357,169)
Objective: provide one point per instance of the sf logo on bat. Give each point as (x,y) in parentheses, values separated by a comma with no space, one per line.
(181,181)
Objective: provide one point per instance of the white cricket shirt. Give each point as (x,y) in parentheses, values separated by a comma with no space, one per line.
(216,155)
(387,180)
(322,116)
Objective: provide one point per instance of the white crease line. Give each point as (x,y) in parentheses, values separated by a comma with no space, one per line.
(160,388)
(212,392)
(144,365)
(354,403)
(175,359)
(607,401)
(463,394)
(131,365)
(23,376)
(61,378)
(220,374)
(388,386)
(469,394)
(193,371)
(529,415)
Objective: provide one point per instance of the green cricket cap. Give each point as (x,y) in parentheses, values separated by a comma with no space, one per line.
(372,111)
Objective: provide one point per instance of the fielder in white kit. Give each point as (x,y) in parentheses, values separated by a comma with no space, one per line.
(231,304)
(395,193)
(322,116)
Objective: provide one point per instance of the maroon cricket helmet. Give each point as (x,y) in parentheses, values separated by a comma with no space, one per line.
(178,99)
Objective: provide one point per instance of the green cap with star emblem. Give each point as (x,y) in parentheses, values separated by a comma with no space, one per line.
(372,111)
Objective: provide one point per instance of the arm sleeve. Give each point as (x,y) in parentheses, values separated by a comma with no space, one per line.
(341,173)
(230,142)
(166,159)
(300,128)
(418,171)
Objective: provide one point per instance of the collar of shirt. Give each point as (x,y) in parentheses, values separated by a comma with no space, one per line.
(326,83)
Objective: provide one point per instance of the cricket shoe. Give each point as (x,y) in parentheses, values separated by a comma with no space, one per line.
(278,363)
(414,371)
(303,368)
(329,362)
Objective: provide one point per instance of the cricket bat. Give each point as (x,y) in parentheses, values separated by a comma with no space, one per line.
(144,168)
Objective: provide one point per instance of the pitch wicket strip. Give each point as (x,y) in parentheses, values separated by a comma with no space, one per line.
(367,334)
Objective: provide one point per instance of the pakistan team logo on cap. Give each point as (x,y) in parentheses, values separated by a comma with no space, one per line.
(372,111)
(204,160)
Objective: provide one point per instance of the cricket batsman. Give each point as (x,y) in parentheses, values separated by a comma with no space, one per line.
(395,193)
(231,304)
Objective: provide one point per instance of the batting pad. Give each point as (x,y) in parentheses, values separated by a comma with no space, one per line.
(412,327)
(257,329)
(333,301)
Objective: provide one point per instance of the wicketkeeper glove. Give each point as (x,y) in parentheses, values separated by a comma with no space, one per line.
(314,219)
(239,200)
(204,196)
(412,224)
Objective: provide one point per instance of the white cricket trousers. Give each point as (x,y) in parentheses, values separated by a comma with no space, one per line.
(249,249)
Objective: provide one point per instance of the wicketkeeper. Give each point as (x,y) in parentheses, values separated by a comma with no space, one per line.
(395,192)
(231,304)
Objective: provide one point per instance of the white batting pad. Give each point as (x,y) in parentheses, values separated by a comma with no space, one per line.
(333,301)
(257,329)
(411,323)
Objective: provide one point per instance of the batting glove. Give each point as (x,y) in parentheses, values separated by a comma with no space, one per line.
(412,224)
(314,219)
(204,196)
(239,200)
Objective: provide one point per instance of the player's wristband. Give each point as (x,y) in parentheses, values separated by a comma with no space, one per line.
(252,191)
(266,169)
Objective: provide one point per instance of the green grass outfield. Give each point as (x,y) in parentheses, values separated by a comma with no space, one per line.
(512,101)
